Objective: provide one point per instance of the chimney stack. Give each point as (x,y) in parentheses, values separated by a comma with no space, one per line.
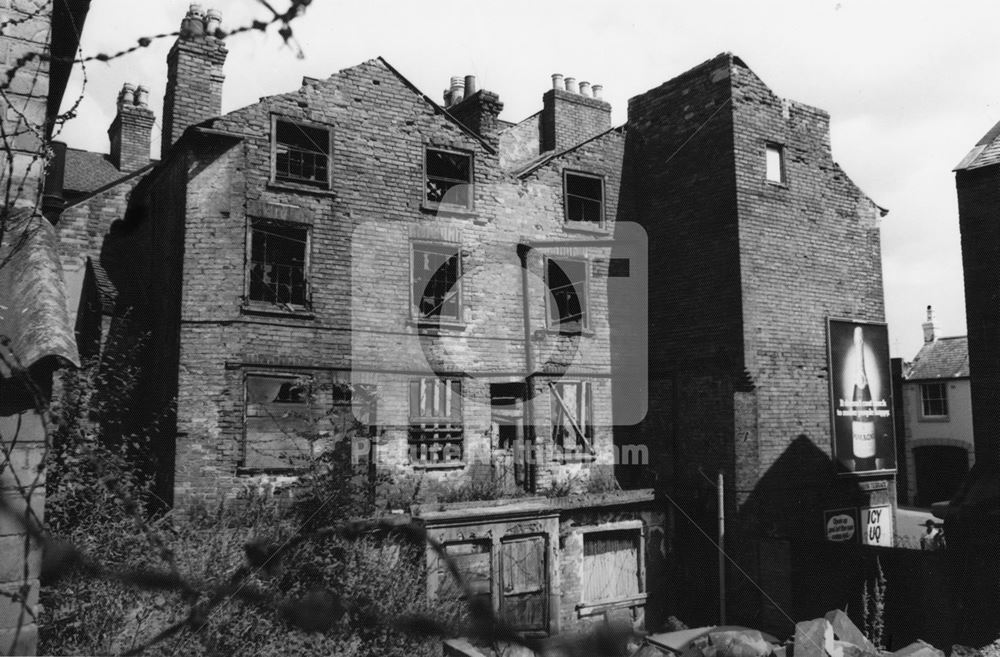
(476,110)
(194,74)
(930,330)
(572,113)
(132,128)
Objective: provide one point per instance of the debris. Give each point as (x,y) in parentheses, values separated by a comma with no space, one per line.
(918,649)
(845,630)
(814,638)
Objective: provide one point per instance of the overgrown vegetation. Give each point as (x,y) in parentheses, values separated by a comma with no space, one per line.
(873,607)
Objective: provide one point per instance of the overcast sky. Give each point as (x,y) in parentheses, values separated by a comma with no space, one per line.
(910,85)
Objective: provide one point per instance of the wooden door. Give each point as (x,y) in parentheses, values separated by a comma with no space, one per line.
(524,582)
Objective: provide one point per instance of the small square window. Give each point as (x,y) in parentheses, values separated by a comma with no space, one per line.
(448,178)
(774,155)
(278,263)
(567,283)
(436,430)
(301,153)
(436,282)
(933,400)
(584,198)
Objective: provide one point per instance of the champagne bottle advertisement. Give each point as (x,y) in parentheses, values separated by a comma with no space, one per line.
(861,396)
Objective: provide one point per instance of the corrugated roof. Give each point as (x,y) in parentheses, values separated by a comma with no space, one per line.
(945,358)
(33,313)
(87,171)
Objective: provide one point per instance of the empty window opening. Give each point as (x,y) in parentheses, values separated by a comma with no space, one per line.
(775,158)
(278,255)
(449,177)
(584,198)
(437,271)
(567,303)
(301,154)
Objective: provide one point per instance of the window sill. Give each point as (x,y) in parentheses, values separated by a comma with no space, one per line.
(282,186)
(933,418)
(246,471)
(449,465)
(775,184)
(586,228)
(272,310)
(429,207)
(584,333)
(595,608)
(427,326)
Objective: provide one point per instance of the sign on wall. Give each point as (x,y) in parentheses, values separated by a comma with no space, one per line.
(861,396)
(876,526)
(841,525)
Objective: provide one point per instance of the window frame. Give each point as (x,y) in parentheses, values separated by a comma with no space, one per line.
(584,450)
(249,304)
(470,203)
(298,182)
(452,385)
(585,324)
(593,607)
(582,223)
(925,399)
(782,166)
(415,314)
(307,405)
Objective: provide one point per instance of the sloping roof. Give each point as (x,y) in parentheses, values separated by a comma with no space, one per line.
(984,153)
(945,358)
(87,171)
(33,313)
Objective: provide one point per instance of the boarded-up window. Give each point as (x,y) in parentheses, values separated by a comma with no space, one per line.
(611,566)
(436,431)
(472,560)
(572,415)
(523,568)
(281,422)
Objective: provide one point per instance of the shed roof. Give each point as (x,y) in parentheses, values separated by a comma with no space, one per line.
(984,153)
(87,171)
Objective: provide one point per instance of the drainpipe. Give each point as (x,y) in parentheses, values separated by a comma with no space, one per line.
(531,470)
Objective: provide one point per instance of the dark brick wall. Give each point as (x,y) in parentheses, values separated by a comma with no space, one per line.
(979,219)
(130,136)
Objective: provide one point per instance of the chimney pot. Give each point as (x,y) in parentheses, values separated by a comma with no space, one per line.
(598,90)
(127,95)
(470,85)
(585,89)
(142,96)
(557,82)
(457,89)
(213,21)
(571,86)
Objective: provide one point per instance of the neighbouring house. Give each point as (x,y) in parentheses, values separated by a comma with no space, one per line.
(39,41)
(937,403)
(973,521)
(466,298)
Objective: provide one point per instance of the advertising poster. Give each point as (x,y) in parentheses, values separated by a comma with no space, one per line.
(861,397)
(841,525)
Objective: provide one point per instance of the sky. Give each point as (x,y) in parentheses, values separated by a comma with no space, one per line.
(911,85)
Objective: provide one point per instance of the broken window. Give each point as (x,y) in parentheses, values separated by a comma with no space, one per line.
(281,422)
(436,274)
(584,198)
(448,177)
(774,155)
(277,263)
(436,431)
(301,153)
(566,281)
(612,561)
(572,416)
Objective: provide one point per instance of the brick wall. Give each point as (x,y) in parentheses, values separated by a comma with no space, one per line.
(979,219)
(569,118)
(194,83)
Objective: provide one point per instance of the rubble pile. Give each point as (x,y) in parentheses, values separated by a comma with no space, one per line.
(833,635)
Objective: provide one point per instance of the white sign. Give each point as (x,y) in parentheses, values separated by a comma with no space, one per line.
(876,526)
(840,525)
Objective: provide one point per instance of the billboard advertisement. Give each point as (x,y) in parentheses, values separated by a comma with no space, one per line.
(861,396)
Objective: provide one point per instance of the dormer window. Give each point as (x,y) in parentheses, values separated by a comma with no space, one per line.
(584,198)
(300,153)
(448,178)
